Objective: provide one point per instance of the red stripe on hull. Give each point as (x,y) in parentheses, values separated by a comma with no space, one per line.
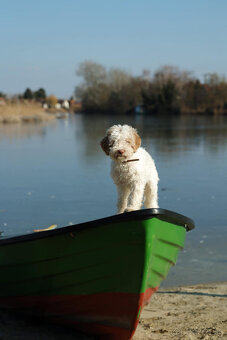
(112,316)
(148,293)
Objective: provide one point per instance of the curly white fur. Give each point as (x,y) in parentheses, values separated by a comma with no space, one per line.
(133,169)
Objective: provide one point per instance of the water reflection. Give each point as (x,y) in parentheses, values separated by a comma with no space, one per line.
(170,136)
(20,131)
(58,174)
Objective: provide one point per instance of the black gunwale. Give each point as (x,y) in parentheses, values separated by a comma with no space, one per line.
(138,215)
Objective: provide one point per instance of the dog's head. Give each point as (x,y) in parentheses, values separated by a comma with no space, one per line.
(121,142)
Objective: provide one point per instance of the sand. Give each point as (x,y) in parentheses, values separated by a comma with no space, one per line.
(186,313)
(182,313)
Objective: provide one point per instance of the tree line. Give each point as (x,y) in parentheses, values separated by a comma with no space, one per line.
(28,94)
(38,95)
(168,90)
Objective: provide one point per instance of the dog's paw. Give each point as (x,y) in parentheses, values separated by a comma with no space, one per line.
(128,210)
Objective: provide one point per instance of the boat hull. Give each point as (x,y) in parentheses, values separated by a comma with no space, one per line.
(95,276)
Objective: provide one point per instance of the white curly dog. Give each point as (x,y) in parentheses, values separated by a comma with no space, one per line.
(133,169)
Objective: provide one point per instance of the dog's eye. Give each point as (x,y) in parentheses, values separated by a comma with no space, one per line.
(111,144)
(128,141)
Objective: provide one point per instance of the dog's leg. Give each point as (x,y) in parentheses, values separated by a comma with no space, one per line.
(136,197)
(123,194)
(151,196)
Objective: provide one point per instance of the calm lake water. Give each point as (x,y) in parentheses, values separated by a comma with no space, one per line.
(58,174)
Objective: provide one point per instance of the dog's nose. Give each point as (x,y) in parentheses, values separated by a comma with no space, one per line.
(121,151)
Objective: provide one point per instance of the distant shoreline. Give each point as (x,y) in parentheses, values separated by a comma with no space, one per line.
(24,113)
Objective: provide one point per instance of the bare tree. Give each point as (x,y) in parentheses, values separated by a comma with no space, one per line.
(214,79)
(171,74)
(118,78)
(92,73)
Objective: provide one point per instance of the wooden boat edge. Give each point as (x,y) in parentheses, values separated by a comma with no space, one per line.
(162,214)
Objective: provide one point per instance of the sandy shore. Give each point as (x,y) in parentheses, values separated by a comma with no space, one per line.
(186,313)
(182,313)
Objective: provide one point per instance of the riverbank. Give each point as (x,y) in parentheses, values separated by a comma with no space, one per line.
(189,313)
(24,113)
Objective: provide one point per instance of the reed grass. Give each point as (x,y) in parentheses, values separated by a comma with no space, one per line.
(24,113)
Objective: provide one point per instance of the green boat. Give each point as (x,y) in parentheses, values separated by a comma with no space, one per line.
(94,276)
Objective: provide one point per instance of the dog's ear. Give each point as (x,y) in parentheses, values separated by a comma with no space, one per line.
(105,145)
(137,140)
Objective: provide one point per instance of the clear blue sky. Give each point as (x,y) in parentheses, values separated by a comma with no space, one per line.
(42,42)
